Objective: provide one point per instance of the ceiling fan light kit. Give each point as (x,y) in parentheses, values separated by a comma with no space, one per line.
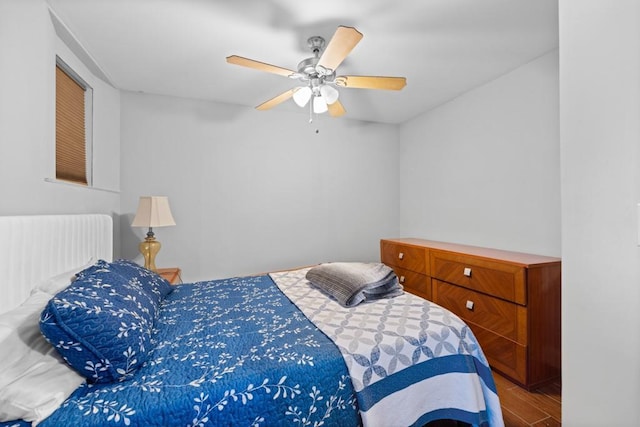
(318,74)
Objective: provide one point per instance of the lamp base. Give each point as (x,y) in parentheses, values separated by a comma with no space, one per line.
(149,248)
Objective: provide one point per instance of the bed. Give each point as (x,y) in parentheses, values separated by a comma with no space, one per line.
(123,347)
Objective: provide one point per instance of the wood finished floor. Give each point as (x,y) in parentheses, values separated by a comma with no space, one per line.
(521,408)
(541,407)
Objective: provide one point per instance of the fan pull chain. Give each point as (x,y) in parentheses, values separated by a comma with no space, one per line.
(311,110)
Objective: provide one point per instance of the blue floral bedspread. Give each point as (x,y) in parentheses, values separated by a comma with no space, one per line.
(232,352)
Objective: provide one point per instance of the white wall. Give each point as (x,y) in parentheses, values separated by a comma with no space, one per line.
(256,191)
(600,144)
(28,47)
(484,168)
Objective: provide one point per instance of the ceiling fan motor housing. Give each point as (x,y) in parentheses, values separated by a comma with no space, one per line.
(308,70)
(308,66)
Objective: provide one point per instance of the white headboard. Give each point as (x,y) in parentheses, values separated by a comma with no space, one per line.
(36,247)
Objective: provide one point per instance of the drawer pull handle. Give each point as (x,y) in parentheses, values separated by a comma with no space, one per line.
(467,272)
(401,279)
(469,305)
(400,255)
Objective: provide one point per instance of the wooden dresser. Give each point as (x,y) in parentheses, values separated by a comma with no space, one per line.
(510,300)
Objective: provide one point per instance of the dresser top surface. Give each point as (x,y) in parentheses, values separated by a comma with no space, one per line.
(489,253)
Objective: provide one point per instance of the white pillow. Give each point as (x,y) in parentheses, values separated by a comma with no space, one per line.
(55,284)
(34,379)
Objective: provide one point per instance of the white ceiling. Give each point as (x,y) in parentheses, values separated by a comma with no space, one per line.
(442,47)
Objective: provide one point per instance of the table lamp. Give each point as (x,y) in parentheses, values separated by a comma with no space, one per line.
(153,211)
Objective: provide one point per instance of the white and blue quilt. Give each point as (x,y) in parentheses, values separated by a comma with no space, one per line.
(410,360)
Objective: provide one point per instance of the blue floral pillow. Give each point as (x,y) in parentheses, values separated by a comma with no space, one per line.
(156,286)
(101,324)
(149,280)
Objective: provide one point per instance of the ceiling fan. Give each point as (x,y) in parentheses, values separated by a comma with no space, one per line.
(318,75)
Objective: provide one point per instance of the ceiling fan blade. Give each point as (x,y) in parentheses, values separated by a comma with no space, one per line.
(371,82)
(336,109)
(342,42)
(276,100)
(262,66)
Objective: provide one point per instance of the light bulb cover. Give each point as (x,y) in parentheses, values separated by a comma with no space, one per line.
(329,93)
(319,105)
(302,96)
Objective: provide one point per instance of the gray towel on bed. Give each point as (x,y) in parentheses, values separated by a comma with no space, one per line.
(351,283)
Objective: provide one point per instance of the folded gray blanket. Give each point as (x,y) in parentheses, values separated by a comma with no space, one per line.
(351,283)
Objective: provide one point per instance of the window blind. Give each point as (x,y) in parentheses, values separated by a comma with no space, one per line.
(70,129)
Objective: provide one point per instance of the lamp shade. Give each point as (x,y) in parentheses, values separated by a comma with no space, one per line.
(153,211)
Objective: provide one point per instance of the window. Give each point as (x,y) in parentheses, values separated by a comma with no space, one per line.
(73,126)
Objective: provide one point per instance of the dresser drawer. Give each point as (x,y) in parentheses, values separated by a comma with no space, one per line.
(498,316)
(503,280)
(407,257)
(505,355)
(416,283)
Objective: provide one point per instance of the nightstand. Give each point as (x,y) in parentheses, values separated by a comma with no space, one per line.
(171,274)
